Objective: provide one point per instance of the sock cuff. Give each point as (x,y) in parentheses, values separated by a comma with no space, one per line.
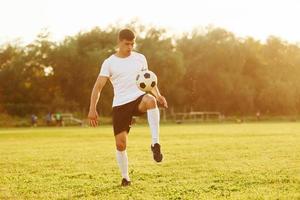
(153,109)
(121,152)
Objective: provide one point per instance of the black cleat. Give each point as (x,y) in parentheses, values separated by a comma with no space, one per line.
(157,156)
(125,182)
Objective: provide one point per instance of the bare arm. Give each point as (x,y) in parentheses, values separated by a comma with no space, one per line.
(99,84)
(161,99)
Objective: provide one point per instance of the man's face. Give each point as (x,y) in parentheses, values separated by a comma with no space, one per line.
(126,46)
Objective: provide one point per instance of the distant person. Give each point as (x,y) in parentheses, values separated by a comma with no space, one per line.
(49,119)
(34,119)
(121,69)
(58,119)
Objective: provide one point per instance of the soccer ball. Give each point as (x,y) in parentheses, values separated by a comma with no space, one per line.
(146,80)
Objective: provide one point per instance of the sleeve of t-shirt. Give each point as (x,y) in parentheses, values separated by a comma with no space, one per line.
(105,71)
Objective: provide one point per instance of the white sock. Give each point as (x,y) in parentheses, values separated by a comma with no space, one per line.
(123,163)
(153,120)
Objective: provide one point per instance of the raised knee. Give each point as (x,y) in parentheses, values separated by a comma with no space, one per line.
(151,102)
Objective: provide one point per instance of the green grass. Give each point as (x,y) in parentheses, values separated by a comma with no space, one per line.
(204,161)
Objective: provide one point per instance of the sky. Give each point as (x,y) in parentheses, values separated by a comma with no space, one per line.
(22,20)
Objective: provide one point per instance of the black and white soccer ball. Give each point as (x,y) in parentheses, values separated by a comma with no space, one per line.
(146,80)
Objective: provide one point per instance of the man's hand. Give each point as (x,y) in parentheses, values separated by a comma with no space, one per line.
(162,100)
(93,117)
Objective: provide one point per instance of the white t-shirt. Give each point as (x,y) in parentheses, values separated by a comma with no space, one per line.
(122,73)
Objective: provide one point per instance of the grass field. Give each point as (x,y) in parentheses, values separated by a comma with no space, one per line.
(204,161)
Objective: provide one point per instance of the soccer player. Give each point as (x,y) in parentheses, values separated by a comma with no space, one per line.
(121,69)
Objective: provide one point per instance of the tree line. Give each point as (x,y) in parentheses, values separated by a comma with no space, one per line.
(206,70)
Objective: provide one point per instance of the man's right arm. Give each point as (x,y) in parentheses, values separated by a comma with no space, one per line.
(99,84)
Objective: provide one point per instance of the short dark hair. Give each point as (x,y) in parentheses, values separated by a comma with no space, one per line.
(126,34)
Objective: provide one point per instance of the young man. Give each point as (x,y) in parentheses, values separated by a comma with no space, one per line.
(121,69)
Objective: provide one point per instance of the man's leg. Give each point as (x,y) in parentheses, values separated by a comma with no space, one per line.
(121,154)
(149,105)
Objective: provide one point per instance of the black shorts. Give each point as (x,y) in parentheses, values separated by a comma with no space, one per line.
(122,115)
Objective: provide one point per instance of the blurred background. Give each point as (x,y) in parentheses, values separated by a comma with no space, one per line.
(240,59)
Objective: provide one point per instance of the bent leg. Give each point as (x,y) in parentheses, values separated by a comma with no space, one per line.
(149,105)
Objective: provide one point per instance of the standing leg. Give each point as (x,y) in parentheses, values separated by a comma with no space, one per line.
(122,159)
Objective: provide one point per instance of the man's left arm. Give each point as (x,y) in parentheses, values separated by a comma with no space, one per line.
(161,99)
